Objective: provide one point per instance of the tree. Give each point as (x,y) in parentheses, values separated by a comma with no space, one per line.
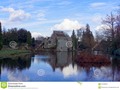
(87,28)
(29,38)
(18,35)
(74,40)
(80,33)
(22,35)
(13,34)
(4,36)
(10,35)
(110,22)
(116,42)
(118,25)
(88,38)
(33,42)
(113,30)
(1,43)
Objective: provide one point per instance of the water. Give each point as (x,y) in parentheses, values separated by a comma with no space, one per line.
(60,66)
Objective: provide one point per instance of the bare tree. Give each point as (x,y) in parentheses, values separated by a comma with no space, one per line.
(110,21)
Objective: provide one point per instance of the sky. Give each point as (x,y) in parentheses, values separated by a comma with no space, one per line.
(41,17)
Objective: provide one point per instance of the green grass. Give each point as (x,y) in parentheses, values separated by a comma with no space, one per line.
(12,53)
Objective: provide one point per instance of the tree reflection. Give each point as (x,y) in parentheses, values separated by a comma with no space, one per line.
(19,63)
(0,69)
(116,68)
(88,60)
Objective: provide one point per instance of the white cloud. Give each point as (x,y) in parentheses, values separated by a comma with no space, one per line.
(36,34)
(41,16)
(19,15)
(97,4)
(97,18)
(8,9)
(67,24)
(102,27)
(16,15)
(2,21)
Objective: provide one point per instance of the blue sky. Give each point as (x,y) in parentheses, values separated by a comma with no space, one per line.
(41,17)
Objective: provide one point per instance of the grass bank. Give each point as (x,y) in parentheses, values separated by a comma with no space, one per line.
(12,53)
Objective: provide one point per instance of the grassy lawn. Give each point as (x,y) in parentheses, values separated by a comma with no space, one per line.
(12,53)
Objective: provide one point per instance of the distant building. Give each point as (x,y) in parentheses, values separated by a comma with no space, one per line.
(57,41)
(102,47)
(49,43)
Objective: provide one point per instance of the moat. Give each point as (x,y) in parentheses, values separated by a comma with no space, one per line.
(59,66)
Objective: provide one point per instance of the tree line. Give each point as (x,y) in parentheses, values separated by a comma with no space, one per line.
(110,34)
(18,35)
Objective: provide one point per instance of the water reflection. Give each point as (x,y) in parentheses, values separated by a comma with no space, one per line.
(116,69)
(60,60)
(19,63)
(60,66)
(0,70)
(12,68)
(17,76)
(70,70)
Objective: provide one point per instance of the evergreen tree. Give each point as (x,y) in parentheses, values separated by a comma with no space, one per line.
(1,44)
(22,35)
(88,38)
(29,38)
(74,40)
(33,42)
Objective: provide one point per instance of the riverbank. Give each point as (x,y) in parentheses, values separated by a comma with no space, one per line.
(13,53)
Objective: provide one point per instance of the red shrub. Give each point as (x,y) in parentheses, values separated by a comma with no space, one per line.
(90,58)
